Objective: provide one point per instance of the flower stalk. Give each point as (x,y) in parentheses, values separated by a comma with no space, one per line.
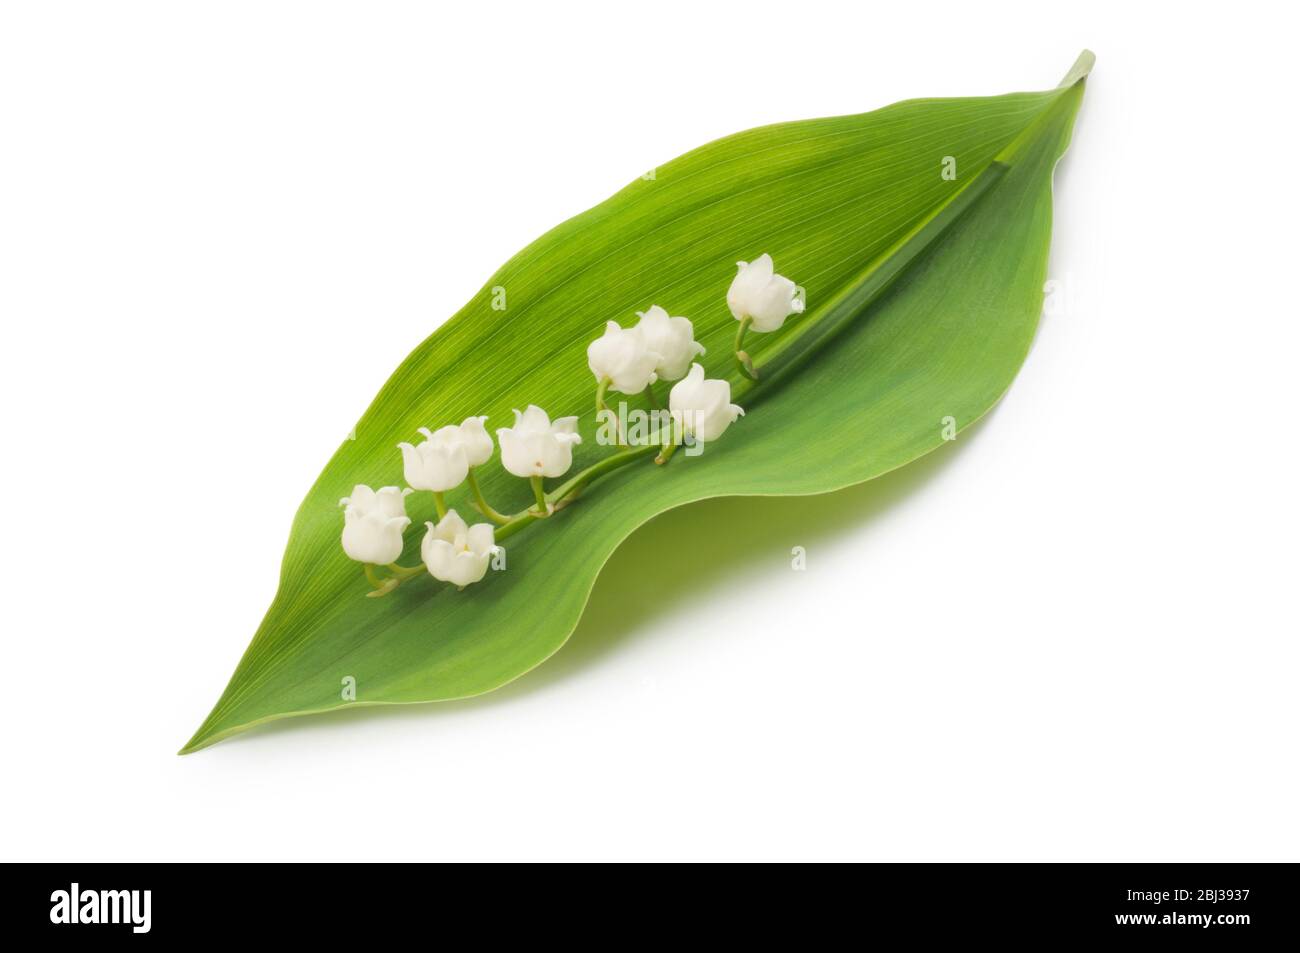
(602,387)
(404,572)
(743,360)
(666,454)
(539,494)
(627,361)
(481,503)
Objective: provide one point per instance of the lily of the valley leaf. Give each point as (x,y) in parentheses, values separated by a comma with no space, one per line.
(923,295)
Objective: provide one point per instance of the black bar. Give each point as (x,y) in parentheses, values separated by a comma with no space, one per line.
(1222,903)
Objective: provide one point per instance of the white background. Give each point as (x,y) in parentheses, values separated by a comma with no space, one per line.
(1072,635)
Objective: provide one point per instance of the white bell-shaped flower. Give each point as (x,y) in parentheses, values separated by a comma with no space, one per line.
(620,356)
(702,408)
(476,441)
(765,298)
(673,339)
(373,523)
(438,463)
(535,446)
(456,553)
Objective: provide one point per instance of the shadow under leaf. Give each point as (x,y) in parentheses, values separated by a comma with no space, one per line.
(690,551)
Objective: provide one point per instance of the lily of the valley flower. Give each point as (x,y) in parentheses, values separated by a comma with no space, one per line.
(702,408)
(763,297)
(456,553)
(441,461)
(536,447)
(621,357)
(673,339)
(625,360)
(476,441)
(373,523)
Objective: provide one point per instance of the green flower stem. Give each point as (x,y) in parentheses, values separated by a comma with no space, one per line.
(568,490)
(514,525)
(651,397)
(602,387)
(539,494)
(405,572)
(600,468)
(743,360)
(440,502)
(666,453)
(382,586)
(483,506)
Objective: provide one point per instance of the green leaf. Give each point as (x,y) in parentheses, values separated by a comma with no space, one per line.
(923,295)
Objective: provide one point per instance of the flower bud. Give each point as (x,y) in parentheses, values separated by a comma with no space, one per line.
(438,463)
(620,356)
(476,441)
(765,298)
(702,408)
(373,524)
(537,447)
(673,339)
(456,553)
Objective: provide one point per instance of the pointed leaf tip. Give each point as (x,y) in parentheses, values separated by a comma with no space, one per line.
(1081,68)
